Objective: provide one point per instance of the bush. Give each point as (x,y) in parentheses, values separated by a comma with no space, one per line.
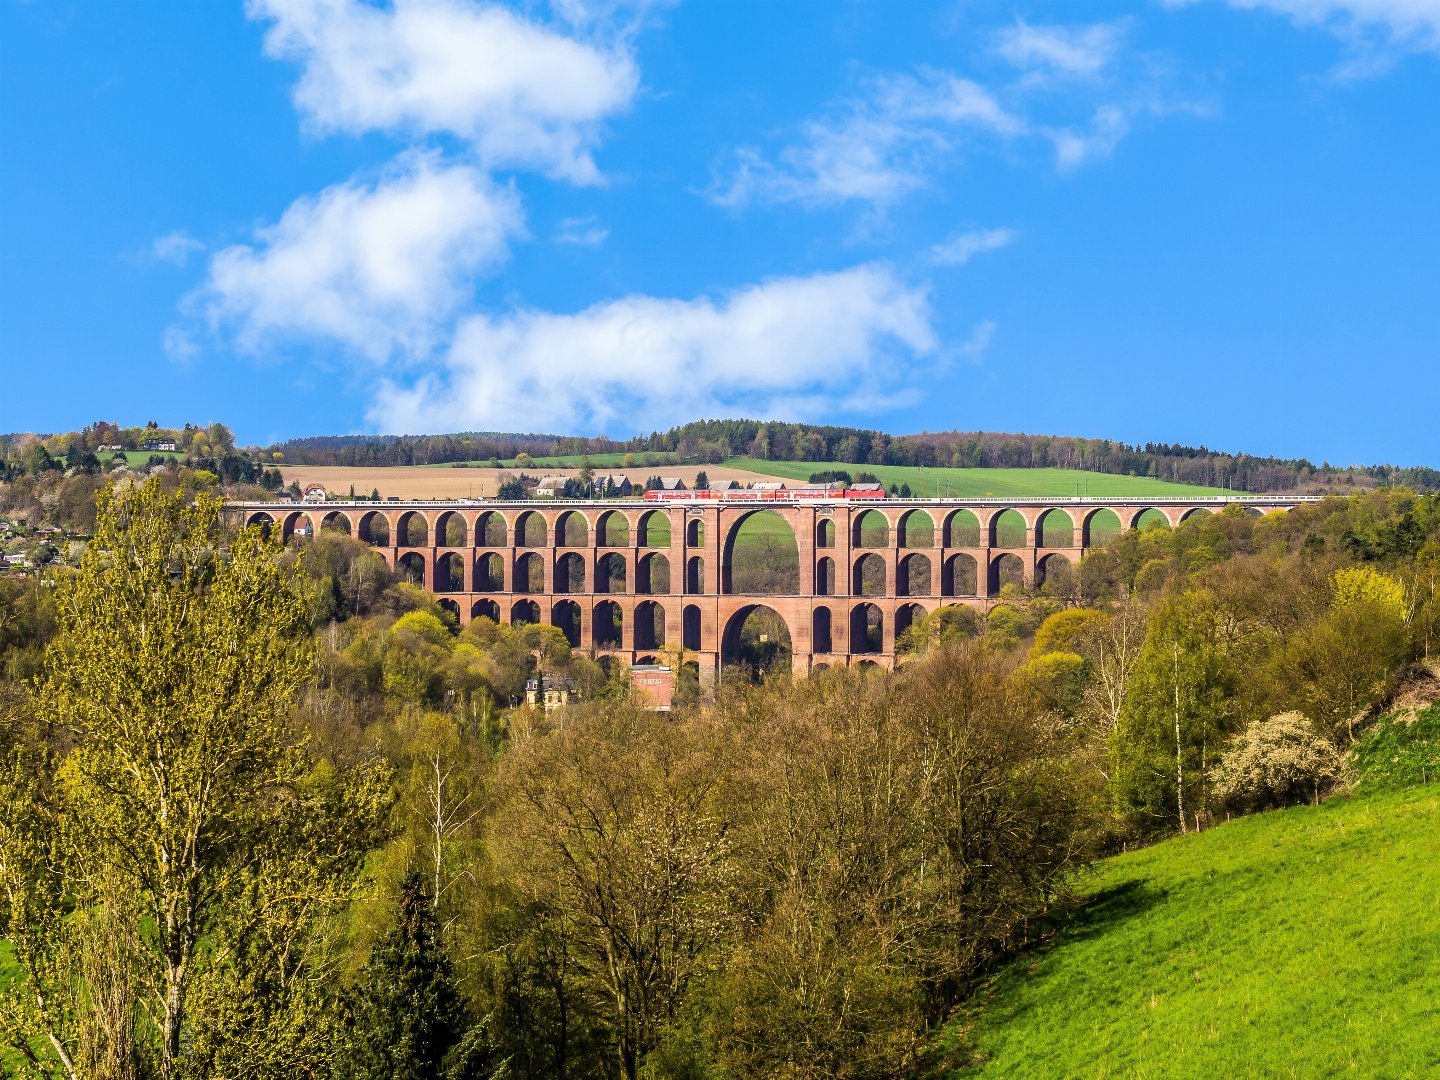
(1277,762)
(1403,749)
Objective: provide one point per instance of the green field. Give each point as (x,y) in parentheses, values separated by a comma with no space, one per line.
(979,483)
(569,461)
(1298,943)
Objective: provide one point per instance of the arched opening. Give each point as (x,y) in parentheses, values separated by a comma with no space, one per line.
(825,533)
(450,572)
(530,530)
(690,628)
(649,625)
(525,613)
(906,616)
(336,522)
(820,631)
(295,525)
(451,608)
(756,642)
(962,577)
(1198,513)
(867,629)
(913,576)
(450,530)
(375,529)
(490,530)
(613,530)
(962,529)
(1056,576)
(654,529)
(529,574)
(263,521)
(1006,570)
(917,530)
(695,533)
(1150,518)
(610,573)
(411,568)
(869,576)
(653,575)
(695,575)
(1007,529)
(489,573)
(870,530)
(485,609)
(1056,529)
(608,627)
(572,530)
(566,617)
(761,557)
(1101,527)
(413,530)
(825,577)
(570,573)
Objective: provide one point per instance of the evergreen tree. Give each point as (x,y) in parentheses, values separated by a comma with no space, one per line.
(406,1014)
(702,482)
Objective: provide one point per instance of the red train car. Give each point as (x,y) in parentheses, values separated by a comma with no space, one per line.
(743,495)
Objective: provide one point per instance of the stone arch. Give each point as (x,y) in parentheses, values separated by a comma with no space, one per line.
(867,629)
(610,573)
(452,608)
(296,523)
(263,521)
(825,577)
(450,530)
(411,567)
(1149,518)
(485,609)
(529,574)
(653,574)
(530,530)
(695,575)
(490,530)
(608,625)
(649,625)
(870,529)
(612,530)
(336,522)
(962,529)
(867,578)
(760,557)
(825,533)
(917,530)
(654,529)
(1196,513)
(912,577)
(570,573)
(1008,529)
(1055,574)
(690,628)
(374,529)
(906,616)
(695,533)
(961,577)
(565,616)
(821,635)
(572,530)
(758,653)
(1055,529)
(489,574)
(413,530)
(525,613)
(1007,569)
(450,572)
(1101,526)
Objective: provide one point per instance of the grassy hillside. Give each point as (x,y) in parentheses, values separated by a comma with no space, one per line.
(979,483)
(1302,943)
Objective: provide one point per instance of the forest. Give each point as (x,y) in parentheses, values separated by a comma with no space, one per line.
(269,812)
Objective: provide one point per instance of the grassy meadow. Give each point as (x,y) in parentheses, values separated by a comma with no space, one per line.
(982,483)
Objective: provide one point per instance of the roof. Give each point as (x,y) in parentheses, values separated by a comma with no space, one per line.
(876,486)
(767,485)
(672,483)
(553,481)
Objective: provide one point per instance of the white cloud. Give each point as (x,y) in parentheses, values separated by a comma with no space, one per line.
(874,149)
(582,231)
(1083,51)
(973,348)
(175,248)
(521,93)
(826,341)
(962,247)
(375,267)
(1075,147)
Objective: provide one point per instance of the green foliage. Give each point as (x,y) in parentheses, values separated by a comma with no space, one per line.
(1400,750)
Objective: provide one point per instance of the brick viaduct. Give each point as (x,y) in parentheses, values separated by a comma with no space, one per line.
(628,577)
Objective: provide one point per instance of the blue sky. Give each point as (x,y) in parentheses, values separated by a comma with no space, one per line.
(1207,222)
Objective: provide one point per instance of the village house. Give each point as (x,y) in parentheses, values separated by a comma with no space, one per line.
(550,692)
(671,483)
(313,493)
(549,487)
(615,485)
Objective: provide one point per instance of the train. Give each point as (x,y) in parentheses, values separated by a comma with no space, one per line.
(744,495)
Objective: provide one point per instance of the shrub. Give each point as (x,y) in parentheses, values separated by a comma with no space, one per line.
(1276,762)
